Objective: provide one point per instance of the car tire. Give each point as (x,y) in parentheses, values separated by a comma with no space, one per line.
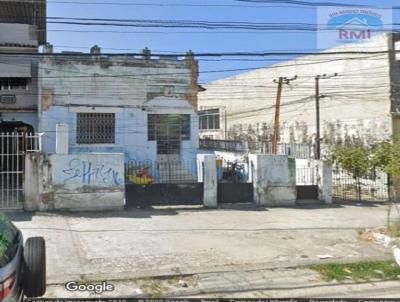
(34,272)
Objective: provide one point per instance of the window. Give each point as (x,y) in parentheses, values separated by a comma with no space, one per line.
(95,128)
(209,119)
(13,83)
(168,127)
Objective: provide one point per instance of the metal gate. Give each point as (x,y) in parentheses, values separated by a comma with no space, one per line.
(13,148)
(155,183)
(234,183)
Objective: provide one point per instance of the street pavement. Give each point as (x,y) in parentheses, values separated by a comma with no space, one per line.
(213,249)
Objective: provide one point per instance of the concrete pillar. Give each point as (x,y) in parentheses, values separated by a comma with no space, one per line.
(62,139)
(325,182)
(210,181)
(274,179)
(31,182)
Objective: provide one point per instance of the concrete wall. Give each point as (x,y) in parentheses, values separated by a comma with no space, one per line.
(355,110)
(274,179)
(74,181)
(112,81)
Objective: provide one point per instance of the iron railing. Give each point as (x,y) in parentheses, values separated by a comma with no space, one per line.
(13,148)
(306,176)
(371,188)
(293,150)
(159,172)
(223,145)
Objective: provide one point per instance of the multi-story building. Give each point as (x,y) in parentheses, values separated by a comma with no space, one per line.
(22,31)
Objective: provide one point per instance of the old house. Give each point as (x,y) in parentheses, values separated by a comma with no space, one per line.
(141,106)
(22,31)
(358,96)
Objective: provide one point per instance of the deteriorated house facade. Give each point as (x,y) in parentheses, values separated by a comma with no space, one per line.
(141,106)
(356,105)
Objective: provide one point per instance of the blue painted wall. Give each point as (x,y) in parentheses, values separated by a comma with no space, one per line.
(130,134)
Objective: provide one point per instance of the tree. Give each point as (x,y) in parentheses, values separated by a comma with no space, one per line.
(386,156)
(356,160)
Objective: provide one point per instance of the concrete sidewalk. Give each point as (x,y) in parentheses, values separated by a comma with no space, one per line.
(167,242)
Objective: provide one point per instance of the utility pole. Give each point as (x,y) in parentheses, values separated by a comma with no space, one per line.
(317,110)
(275,137)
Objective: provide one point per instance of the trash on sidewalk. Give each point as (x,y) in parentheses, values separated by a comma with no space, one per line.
(182,283)
(323,257)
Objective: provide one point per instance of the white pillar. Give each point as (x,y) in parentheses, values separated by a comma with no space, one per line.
(62,139)
(325,185)
(274,180)
(210,181)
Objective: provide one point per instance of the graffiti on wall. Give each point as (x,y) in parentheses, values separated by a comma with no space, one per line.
(89,172)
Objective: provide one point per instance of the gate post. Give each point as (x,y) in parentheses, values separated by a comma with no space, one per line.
(31,182)
(274,180)
(210,179)
(325,183)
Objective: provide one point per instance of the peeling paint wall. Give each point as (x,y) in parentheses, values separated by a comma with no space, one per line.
(355,107)
(112,81)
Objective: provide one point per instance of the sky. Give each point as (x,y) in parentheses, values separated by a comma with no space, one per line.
(174,41)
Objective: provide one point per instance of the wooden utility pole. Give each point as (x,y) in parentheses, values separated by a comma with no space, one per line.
(275,137)
(317,111)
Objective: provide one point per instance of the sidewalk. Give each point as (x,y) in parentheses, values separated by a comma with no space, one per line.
(134,244)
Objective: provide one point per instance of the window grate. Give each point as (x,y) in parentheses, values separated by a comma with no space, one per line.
(95,128)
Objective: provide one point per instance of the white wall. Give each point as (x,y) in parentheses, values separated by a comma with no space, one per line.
(357,103)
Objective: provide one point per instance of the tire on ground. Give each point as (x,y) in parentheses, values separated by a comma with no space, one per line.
(34,272)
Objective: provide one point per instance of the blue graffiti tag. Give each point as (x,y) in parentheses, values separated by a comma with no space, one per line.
(86,171)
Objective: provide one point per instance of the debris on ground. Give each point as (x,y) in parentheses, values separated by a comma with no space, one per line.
(182,283)
(323,257)
(378,235)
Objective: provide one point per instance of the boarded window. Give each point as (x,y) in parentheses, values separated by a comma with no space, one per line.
(209,119)
(95,128)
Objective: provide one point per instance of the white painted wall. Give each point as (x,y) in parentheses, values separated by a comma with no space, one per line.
(357,103)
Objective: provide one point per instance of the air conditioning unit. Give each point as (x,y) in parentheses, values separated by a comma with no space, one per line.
(8,99)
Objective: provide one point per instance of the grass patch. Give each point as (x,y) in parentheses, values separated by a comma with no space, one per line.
(364,270)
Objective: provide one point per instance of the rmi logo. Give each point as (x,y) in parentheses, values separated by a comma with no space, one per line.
(349,25)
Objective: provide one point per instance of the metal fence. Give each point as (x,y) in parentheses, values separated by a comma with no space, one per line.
(13,148)
(293,150)
(161,172)
(347,187)
(223,145)
(306,176)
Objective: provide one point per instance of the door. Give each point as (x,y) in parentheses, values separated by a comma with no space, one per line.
(168,143)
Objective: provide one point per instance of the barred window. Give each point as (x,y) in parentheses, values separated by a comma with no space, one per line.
(171,126)
(95,128)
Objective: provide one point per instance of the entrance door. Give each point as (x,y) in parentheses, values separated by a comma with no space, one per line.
(168,143)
